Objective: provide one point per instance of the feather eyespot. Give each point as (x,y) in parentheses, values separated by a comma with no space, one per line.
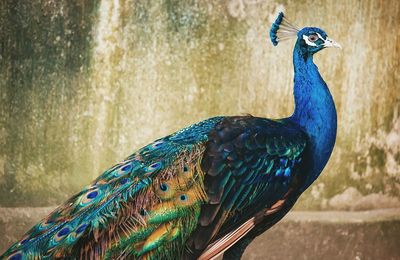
(15,256)
(185,168)
(92,194)
(163,187)
(123,181)
(81,228)
(154,167)
(183,197)
(63,232)
(127,168)
(26,240)
(143,212)
(59,236)
(122,170)
(313,37)
(157,144)
(89,196)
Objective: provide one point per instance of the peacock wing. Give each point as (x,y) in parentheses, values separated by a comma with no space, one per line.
(251,165)
(144,207)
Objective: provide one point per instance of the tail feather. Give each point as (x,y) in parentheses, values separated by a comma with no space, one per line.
(131,210)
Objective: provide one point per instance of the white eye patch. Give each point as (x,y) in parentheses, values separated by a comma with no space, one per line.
(310,43)
(319,36)
(327,42)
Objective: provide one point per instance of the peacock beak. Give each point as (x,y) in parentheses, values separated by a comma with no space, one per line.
(329,43)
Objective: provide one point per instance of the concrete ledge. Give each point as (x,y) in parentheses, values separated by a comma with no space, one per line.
(371,234)
(335,235)
(345,217)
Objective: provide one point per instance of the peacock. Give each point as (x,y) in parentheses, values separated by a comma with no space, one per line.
(206,190)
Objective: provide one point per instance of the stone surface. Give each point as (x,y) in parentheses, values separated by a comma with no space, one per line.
(332,235)
(300,235)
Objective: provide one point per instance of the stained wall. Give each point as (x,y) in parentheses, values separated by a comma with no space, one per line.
(83,84)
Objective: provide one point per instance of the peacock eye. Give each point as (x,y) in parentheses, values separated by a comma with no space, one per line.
(313,37)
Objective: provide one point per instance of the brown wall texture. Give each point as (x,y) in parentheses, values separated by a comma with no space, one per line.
(85,83)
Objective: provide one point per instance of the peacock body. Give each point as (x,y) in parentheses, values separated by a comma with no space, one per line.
(208,189)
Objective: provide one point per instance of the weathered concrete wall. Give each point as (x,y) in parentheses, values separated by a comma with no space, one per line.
(84,83)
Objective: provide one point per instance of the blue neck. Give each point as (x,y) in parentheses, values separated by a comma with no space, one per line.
(314,112)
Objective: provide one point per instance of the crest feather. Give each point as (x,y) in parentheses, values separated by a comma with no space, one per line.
(282,29)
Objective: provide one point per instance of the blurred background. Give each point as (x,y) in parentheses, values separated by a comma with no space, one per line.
(84,83)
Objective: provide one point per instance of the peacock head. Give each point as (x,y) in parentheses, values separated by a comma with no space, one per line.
(309,39)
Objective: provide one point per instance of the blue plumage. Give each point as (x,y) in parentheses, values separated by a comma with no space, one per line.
(207,189)
(275,28)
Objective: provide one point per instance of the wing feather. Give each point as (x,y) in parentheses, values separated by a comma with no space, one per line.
(250,164)
(224,243)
